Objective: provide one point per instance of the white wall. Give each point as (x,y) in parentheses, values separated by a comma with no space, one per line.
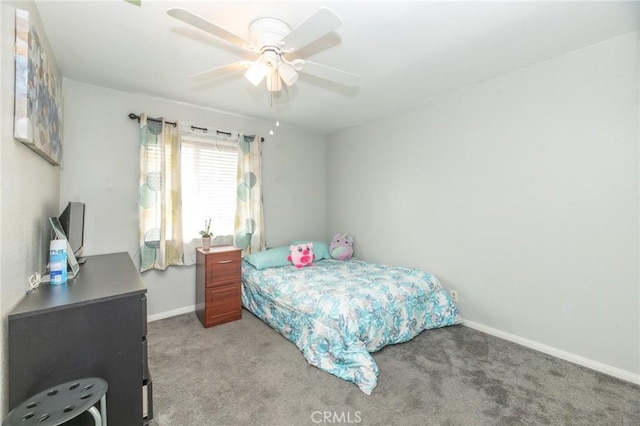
(30,189)
(100,168)
(520,192)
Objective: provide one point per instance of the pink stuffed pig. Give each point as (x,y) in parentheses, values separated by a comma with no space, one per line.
(301,254)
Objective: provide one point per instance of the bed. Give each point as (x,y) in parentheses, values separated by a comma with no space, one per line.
(338,312)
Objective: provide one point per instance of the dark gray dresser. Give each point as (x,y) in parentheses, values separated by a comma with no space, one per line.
(94,326)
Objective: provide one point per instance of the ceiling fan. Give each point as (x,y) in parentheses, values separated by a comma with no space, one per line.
(273,39)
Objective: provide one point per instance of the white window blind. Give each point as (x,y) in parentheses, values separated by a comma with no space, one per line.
(209,185)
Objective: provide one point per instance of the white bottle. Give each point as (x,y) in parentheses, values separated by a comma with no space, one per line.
(58,262)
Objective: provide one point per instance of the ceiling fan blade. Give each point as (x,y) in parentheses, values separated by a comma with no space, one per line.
(217,72)
(320,23)
(328,73)
(205,25)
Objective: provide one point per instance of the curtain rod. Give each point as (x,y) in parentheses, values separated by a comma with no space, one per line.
(174,124)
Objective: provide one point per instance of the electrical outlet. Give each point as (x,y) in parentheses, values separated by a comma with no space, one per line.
(454,295)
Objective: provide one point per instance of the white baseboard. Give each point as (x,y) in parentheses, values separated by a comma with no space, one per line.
(171,313)
(558,353)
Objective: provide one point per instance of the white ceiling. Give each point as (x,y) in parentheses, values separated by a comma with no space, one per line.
(406,52)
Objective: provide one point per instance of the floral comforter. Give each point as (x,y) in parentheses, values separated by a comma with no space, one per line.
(337,312)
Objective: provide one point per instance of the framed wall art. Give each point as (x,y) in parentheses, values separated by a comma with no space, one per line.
(38,94)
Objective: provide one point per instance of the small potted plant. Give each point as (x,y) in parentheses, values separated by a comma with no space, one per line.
(206,234)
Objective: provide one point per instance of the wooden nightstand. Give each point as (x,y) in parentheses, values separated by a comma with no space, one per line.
(218,288)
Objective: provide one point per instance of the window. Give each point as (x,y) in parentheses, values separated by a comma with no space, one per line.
(209,185)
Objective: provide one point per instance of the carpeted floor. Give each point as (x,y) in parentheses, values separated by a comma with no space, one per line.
(244,373)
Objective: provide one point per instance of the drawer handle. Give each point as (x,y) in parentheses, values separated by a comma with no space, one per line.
(225,261)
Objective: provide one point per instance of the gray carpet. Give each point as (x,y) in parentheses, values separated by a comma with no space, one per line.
(244,373)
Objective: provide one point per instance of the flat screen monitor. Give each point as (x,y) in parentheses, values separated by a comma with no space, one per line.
(72,221)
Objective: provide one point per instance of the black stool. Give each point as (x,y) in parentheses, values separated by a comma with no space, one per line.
(61,403)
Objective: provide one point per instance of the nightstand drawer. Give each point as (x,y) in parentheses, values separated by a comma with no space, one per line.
(223,304)
(223,268)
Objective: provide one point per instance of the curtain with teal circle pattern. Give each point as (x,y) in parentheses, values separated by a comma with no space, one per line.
(249,221)
(159,199)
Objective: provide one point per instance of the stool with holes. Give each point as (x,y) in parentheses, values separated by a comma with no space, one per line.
(62,403)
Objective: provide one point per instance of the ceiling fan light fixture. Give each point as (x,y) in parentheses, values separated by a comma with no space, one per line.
(287,73)
(254,74)
(274,84)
